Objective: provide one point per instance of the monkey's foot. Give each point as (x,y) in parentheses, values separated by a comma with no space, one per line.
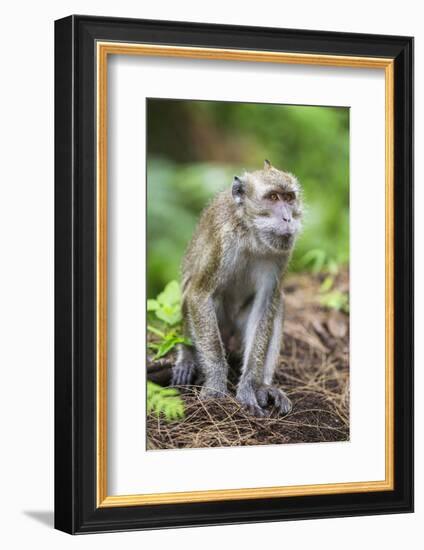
(266,393)
(209,392)
(246,396)
(183,373)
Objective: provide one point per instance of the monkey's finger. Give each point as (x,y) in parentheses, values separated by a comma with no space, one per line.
(187,377)
(255,410)
(181,377)
(278,399)
(177,377)
(262,398)
(285,406)
(281,401)
(174,379)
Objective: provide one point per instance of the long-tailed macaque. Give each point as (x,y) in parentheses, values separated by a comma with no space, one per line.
(231,284)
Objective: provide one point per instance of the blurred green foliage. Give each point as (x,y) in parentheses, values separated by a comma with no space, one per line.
(196,147)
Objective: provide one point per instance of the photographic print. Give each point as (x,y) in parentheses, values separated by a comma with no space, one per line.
(247,274)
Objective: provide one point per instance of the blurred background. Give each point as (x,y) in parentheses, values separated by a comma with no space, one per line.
(196,147)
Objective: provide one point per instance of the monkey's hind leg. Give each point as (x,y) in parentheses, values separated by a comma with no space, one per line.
(184,371)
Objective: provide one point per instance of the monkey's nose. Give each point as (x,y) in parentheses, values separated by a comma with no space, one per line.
(288,220)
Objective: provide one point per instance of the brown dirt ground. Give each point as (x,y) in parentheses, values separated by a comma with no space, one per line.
(314,372)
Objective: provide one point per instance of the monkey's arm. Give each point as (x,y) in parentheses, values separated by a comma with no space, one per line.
(262,350)
(204,330)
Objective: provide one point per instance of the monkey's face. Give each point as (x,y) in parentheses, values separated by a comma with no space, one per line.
(272,205)
(278,216)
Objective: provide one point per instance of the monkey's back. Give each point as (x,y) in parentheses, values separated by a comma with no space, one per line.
(215,228)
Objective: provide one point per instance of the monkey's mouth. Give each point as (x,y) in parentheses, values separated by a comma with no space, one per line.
(281,241)
(286,240)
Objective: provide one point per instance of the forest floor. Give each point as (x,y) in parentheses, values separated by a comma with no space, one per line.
(313,371)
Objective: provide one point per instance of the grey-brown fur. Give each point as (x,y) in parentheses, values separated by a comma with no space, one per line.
(231,282)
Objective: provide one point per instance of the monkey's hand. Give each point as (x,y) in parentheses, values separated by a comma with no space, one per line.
(183,373)
(247,397)
(265,394)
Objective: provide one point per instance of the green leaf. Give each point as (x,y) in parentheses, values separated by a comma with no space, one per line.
(171,315)
(152,305)
(153,346)
(326,284)
(167,308)
(336,300)
(171,295)
(164,348)
(156,331)
(165,401)
(167,345)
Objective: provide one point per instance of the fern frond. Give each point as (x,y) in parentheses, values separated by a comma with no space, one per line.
(166,401)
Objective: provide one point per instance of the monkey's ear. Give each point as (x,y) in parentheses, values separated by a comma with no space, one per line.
(267,165)
(238,190)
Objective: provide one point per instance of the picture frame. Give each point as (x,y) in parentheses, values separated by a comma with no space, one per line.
(83,45)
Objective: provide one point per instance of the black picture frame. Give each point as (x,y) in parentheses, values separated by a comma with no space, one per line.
(76,510)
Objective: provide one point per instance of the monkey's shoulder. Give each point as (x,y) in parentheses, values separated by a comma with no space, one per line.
(219,211)
(218,225)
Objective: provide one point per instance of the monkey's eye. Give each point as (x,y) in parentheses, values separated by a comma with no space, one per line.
(288,196)
(274,197)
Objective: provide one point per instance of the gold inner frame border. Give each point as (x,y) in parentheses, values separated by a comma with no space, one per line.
(103,50)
